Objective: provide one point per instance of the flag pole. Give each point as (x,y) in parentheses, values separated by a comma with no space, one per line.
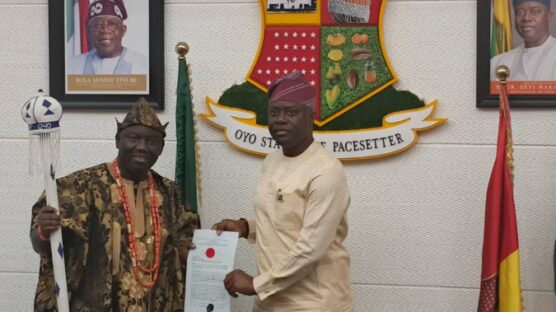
(503,74)
(500,273)
(188,165)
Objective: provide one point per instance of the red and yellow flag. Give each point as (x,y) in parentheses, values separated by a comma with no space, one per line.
(500,281)
(501,32)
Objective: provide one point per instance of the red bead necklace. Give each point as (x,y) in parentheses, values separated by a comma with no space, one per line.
(155,217)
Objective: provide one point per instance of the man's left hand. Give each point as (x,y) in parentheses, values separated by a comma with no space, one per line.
(184,252)
(238,281)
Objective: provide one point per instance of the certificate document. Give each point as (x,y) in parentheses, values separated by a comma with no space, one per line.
(207,266)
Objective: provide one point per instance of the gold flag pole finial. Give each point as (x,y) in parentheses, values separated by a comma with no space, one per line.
(502,73)
(181,49)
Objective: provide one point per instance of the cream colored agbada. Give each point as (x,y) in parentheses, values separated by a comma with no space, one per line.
(299,228)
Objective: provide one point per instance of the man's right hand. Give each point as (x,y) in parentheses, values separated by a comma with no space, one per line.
(48,220)
(241,226)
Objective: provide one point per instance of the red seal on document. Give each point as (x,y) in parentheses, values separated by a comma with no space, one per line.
(210,253)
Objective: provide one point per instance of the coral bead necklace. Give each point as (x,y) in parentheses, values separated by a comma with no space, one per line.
(155,218)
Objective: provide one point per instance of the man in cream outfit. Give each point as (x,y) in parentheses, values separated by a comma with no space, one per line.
(300,218)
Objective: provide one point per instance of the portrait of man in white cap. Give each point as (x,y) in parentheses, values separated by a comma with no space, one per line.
(106,29)
(535,58)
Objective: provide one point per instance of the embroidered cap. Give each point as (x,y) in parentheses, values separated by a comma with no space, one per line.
(292,88)
(545,2)
(114,8)
(141,114)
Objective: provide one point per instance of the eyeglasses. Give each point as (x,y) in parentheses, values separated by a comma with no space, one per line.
(109,25)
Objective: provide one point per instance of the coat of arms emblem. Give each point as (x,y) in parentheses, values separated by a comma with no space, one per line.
(338,46)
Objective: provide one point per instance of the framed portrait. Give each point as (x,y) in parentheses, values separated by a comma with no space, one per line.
(520,35)
(105,54)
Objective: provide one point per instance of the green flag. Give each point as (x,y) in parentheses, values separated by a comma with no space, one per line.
(501,27)
(186,151)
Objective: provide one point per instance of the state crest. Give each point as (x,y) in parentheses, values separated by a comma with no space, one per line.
(338,46)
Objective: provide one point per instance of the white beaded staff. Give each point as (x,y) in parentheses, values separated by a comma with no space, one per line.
(43,113)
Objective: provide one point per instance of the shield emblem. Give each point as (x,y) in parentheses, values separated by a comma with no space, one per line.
(335,43)
(338,45)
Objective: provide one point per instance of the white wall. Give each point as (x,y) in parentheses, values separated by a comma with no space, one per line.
(416,220)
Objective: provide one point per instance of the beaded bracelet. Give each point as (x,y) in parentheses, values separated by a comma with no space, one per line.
(41,234)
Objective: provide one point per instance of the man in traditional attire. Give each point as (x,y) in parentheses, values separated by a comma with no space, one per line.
(106,30)
(300,215)
(126,230)
(535,59)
